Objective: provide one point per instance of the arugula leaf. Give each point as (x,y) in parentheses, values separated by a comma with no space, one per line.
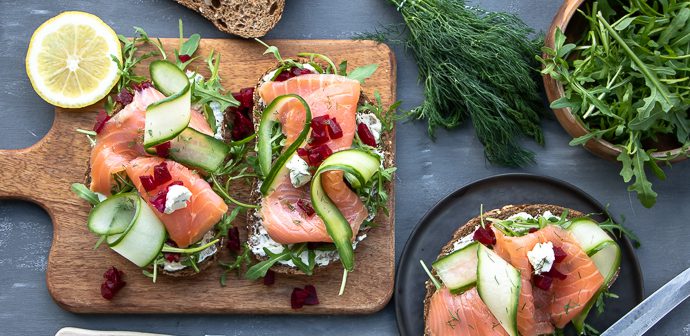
(642,186)
(85,193)
(259,270)
(363,72)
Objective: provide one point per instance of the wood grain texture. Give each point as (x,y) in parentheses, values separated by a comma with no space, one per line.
(44,172)
(573,26)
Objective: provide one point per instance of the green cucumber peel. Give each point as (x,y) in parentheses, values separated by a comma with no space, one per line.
(364,167)
(167,118)
(265,152)
(167,77)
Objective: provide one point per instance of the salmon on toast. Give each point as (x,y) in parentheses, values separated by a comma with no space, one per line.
(316,165)
(554,271)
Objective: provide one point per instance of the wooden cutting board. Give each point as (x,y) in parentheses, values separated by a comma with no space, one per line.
(44,172)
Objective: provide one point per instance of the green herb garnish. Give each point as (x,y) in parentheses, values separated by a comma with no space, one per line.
(628,81)
(476,65)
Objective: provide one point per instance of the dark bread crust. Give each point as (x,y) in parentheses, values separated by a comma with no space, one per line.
(468,228)
(248,18)
(255,197)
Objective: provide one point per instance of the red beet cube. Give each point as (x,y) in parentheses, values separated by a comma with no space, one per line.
(297,298)
(312,298)
(234,240)
(269,278)
(161,173)
(158,201)
(319,136)
(101,119)
(184,58)
(242,126)
(365,135)
(320,121)
(141,86)
(334,129)
(163,150)
(318,154)
(124,97)
(542,281)
(554,273)
(485,235)
(306,207)
(113,283)
(559,254)
(532,230)
(171,257)
(148,182)
(245,96)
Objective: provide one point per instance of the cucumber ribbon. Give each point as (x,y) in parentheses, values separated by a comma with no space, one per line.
(167,118)
(357,164)
(269,117)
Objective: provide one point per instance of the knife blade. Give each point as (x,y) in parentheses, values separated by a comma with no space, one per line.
(652,309)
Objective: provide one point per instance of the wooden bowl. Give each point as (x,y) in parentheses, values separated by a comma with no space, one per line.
(573,27)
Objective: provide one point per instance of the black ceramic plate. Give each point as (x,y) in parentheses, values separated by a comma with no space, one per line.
(438,225)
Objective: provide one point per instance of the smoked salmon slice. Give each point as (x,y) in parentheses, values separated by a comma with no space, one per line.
(461,315)
(539,310)
(122,137)
(204,209)
(337,97)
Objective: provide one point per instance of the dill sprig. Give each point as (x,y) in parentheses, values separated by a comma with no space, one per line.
(476,65)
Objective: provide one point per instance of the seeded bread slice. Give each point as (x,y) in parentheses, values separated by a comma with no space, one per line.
(469,227)
(253,224)
(246,18)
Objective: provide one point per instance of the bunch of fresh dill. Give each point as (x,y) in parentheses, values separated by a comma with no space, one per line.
(476,65)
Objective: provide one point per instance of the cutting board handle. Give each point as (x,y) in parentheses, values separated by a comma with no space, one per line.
(36,172)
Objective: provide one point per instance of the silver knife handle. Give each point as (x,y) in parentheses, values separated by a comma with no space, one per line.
(653,308)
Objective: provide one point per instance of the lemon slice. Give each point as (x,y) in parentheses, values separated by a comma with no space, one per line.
(69,59)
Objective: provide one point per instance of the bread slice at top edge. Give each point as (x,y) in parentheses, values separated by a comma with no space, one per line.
(245,18)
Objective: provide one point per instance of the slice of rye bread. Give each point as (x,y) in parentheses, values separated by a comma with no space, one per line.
(245,18)
(188,271)
(253,223)
(469,227)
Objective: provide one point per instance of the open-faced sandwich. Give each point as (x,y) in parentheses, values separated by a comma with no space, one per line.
(324,161)
(157,153)
(520,270)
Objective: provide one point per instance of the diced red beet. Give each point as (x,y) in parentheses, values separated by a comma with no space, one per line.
(170,256)
(319,136)
(245,96)
(113,282)
(184,58)
(559,254)
(124,97)
(163,150)
(302,152)
(301,297)
(315,245)
(312,299)
(242,126)
(269,278)
(158,201)
(532,230)
(297,298)
(320,121)
(234,240)
(141,86)
(485,235)
(101,119)
(306,207)
(334,129)
(161,173)
(554,273)
(365,135)
(148,182)
(318,154)
(542,281)
(292,72)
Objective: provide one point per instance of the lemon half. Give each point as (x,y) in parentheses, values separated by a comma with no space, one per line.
(69,59)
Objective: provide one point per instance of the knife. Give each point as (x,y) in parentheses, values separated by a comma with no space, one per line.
(652,309)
